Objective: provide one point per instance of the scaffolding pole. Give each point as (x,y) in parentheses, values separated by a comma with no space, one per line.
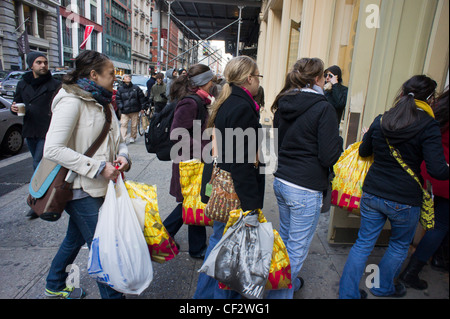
(239,30)
(198,37)
(214,58)
(201,41)
(168,33)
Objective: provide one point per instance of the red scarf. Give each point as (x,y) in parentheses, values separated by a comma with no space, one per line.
(204,95)
(249,94)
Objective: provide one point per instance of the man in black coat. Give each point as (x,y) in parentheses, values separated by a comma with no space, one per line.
(130,100)
(36,90)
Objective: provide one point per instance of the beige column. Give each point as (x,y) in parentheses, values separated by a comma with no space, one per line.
(283,50)
(261,55)
(436,61)
(316,28)
(271,71)
(34,17)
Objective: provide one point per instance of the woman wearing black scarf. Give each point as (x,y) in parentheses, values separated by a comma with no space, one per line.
(80,110)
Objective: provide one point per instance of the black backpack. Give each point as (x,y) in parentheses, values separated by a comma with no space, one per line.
(157,136)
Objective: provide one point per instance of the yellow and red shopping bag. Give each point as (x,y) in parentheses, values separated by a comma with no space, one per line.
(191,183)
(161,245)
(350,172)
(280,266)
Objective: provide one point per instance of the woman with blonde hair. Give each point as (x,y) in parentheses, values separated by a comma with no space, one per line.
(235,109)
(309,145)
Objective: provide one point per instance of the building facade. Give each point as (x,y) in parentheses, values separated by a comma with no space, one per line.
(74,17)
(140,51)
(159,29)
(39,18)
(378,44)
(118,33)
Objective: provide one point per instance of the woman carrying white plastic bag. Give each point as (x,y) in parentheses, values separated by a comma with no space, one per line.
(119,255)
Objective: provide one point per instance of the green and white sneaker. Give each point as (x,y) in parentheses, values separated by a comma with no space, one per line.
(66,293)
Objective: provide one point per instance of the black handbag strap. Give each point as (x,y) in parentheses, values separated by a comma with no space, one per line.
(94,147)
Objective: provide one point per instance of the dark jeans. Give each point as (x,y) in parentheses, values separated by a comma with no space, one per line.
(83,220)
(434,237)
(36,147)
(196,234)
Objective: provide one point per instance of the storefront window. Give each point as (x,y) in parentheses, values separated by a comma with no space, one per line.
(41,23)
(28,18)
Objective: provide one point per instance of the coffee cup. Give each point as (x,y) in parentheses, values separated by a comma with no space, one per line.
(21,109)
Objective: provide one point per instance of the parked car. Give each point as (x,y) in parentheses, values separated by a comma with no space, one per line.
(141,81)
(3,75)
(58,75)
(11,138)
(9,84)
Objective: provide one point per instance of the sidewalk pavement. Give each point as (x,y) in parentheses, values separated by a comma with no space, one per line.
(28,247)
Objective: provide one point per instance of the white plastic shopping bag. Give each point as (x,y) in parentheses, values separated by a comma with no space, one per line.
(119,254)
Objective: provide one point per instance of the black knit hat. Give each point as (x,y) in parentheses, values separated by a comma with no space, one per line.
(336,71)
(33,56)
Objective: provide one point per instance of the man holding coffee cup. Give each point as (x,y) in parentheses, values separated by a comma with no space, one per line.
(32,100)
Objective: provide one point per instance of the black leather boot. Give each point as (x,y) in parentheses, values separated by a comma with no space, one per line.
(410,276)
(439,261)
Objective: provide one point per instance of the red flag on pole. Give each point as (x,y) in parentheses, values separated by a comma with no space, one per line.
(87,33)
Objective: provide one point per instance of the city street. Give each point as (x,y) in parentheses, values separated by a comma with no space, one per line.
(27,247)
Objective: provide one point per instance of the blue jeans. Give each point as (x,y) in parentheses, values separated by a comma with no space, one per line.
(374,212)
(299,215)
(208,287)
(81,229)
(36,147)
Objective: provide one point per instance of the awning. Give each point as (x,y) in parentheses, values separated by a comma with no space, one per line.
(121,65)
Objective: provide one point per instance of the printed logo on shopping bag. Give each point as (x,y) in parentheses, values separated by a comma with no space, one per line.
(347,201)
(198,218)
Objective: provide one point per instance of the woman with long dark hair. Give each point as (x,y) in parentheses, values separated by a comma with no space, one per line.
(190,92)
(80,110)
(432,240)
(309,145)
(389,192)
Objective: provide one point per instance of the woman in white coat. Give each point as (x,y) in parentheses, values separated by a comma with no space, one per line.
(80,110)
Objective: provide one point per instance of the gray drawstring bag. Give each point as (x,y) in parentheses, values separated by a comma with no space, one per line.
(241,259)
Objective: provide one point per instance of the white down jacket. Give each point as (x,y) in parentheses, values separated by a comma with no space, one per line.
(77,121)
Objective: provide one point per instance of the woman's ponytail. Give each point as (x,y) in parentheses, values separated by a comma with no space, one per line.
(224,94)
(404,112)
(236,73)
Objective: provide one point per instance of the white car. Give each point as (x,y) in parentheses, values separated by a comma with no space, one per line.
(11,138)
(141,81)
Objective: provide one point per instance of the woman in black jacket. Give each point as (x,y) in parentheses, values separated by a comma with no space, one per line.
(236,110)
(309,145)
(389,192)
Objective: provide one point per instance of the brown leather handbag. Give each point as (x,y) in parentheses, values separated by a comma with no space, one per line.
(223,197)
(220,189)
(49,189)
